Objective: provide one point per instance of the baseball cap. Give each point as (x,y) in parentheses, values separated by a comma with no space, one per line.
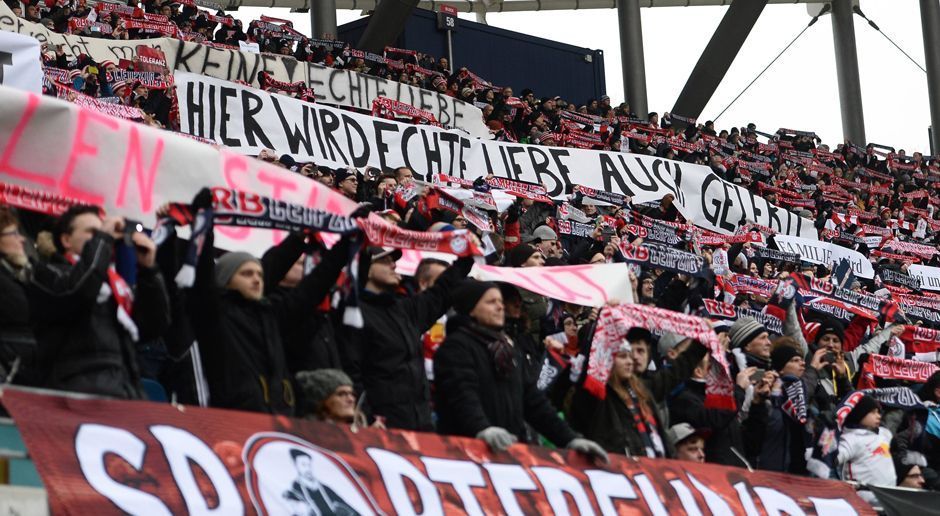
(542,233)
(680,432)
(377,253)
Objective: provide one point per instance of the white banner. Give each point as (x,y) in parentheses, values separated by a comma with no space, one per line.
(131,169)
(929,276)
(19,62)
(585,285)
(249,120)
(330,85)
(825,253)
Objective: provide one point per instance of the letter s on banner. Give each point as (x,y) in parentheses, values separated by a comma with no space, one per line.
(93,443)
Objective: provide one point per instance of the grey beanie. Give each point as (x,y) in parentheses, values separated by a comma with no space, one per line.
(668,341)
(744,330)
(228,264)
(319,384)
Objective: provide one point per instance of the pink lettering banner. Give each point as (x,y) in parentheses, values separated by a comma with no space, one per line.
(130,169)
(587,285)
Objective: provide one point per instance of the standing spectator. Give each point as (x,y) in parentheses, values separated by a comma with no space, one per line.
(241,333)
(87,319)
(627,419)
(385,358)
(481,390)
(17,342)
(864,446)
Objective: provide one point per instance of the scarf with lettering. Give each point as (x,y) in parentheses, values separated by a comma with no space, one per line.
(894,368)
(612,326)
(714,309)
(387,108)
(531,191)
(794,393)
(898,397)
(773,254)
(657,256)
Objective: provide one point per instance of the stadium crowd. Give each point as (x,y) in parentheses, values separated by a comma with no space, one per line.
(89,302)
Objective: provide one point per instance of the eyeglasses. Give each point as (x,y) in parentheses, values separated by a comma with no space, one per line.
(12,232)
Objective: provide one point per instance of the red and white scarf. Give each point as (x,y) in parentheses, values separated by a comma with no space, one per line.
(123,296)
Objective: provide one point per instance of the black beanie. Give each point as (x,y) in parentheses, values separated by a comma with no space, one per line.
(780,356)
(865,405)
(519,254)
(468,293)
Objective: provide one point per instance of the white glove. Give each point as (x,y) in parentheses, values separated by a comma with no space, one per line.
(497,438)
(577,365)
(589,448)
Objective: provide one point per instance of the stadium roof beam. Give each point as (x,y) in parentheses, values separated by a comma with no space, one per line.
(385,24)
(631,56)
(717,57)
(850,88)
(930,25)
(323,19)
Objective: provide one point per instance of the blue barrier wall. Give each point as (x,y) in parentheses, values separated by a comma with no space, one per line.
(504,57)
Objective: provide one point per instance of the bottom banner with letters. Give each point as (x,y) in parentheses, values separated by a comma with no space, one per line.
(110,457)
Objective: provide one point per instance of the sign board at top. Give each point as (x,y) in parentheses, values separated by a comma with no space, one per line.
(447,18)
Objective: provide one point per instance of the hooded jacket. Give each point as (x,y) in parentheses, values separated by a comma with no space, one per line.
(385,358)
(470,396)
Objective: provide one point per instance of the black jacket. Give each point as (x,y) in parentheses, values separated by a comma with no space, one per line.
(82,346)
(470,396)
(16,333)
(689,407)
(240,340)
(385,358)
(609,423)
(311,344)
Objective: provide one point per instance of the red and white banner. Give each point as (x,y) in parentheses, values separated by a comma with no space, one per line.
(900,369)
(130,169)
(586,285)
(112,457)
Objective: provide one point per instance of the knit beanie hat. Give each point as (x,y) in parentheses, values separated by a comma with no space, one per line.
(519,254)
(319,384)
(862,408)
(744,330)
(228,265)
(782,355)
(830,327)
(468,293)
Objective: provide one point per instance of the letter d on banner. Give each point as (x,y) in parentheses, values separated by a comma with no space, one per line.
(20,64)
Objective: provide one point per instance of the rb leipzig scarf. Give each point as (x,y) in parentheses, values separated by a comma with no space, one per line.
(661,257)
(612,326)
